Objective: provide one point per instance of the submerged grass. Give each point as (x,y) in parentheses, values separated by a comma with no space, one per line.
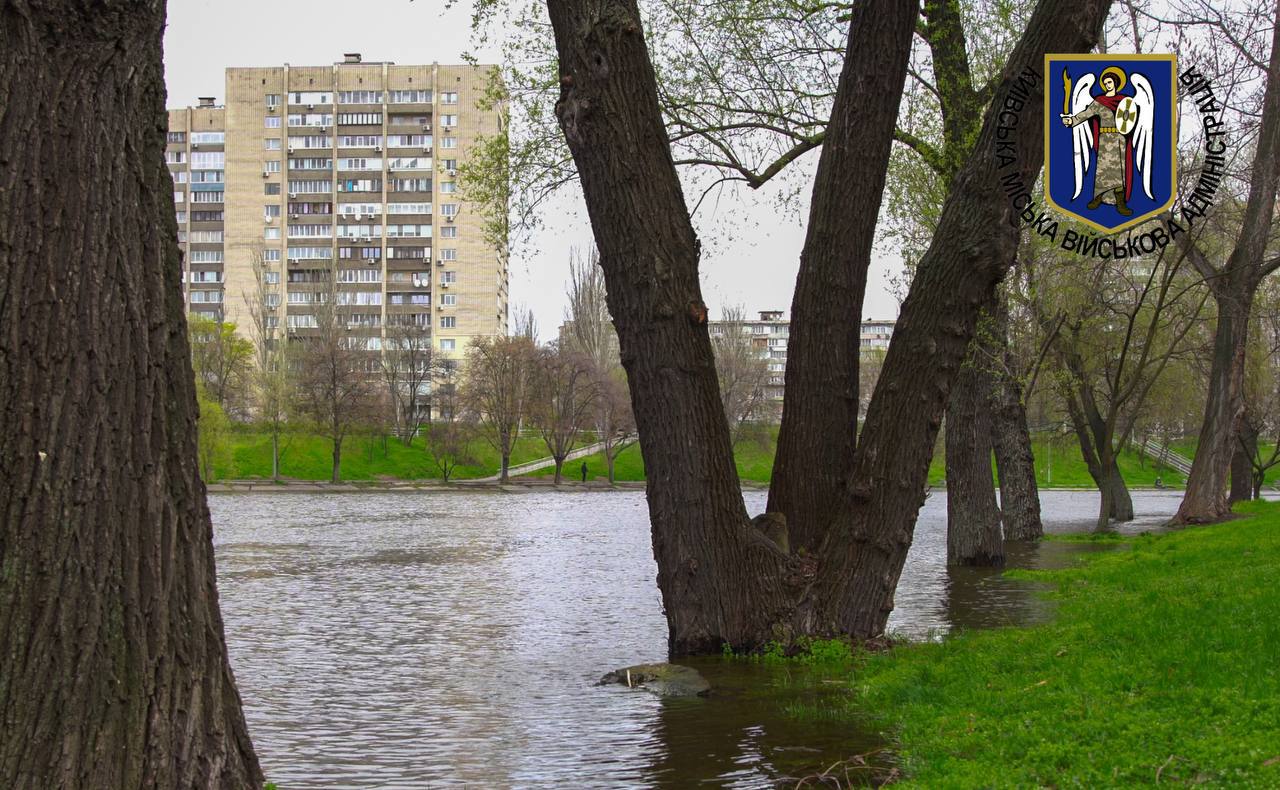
(1161,665)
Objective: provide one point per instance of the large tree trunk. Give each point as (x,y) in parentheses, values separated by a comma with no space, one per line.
(721,580)
(819,424)
(973,518)
(559,470)
(115,670)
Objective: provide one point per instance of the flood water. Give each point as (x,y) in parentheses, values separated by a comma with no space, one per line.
(414,640)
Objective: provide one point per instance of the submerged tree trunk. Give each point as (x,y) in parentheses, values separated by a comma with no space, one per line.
(722,579)
(114,666)
(1011,440)
(973,518)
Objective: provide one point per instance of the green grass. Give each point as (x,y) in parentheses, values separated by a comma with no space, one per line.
(1059,466)
(309,457)
(1163,661)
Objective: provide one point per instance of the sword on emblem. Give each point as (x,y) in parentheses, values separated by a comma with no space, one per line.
(1066,92)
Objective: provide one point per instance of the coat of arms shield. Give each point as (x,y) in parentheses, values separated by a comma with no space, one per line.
(1110,134)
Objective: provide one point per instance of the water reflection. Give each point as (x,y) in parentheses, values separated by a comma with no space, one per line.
(412,640)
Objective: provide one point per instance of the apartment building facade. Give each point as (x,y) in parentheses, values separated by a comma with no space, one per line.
(771,332)
(345,171)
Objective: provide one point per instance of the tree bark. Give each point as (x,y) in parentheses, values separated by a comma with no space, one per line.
(559,468)
(506,465)
(115,670)
(722,580)
(820,412)
(1242,488)
(973,518)
(1011,441)
(337,460)
(1234,288)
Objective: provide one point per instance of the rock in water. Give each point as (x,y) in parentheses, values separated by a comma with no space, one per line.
(667,680)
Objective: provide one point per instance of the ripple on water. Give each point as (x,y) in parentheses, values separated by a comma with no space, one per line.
(407,640)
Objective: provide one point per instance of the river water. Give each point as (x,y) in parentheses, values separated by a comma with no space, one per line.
(415,640)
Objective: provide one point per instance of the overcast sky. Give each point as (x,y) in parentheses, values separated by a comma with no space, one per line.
(753,264)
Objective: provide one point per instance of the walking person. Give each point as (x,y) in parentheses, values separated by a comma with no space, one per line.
(584,471)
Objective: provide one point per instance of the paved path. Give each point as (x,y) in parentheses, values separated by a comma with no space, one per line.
(543,463)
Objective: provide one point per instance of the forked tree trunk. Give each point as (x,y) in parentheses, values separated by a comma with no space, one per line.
(113,665)
(559,469)
(973,518)
(723,581)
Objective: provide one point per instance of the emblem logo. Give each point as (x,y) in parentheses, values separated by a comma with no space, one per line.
(1110,133)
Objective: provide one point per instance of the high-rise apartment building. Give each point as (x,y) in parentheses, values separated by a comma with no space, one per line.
(347,171)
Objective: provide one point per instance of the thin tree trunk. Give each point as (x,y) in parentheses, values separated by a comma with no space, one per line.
(275,456)
(506,465)
(1011,440)
(114,665)
(608,462)
(723,581)
(1242,462)
(559,469)
(973,518)
(337,460)
(1205,500)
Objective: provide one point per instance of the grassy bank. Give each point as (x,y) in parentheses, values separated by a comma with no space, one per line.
(1058,465)
(1162,664)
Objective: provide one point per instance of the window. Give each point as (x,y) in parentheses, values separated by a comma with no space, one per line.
(273,100)
(311,163)
(448,187)
(271,210)
(180,216)
(306,297)
(213,138)
(448,142)
(182,237)
(449,232)
(359,297)
(269,256)
(310,97)
(273,322)
(410,163)
(208,176)
(208,160)
(177,137)
(180,177)
(272,166)
(272,301)
(309,253)
(309,231)
(420,253)
(206,277)
(449,277)
(175,157)
(410,185)
(361,209)
(310,187)
(271,122)
(270,189)
(365,320)
(448,344)
(360,185)
(360,163)
(449,120)
(295,321)
(408,140)
(310,208)
(310,141)
(360,118)
(206,216)
(359,141)
(409,231)
(408,208)
(448,322)
(449,254)
(449,209)
(271,143)
(360,276)
(270,233)
(448,300)
(410,97)
(311,119)
(206,197)
(205,256)
(206,237)
(449,164)
(206,297)
(360,97)
(364,253)
(448,97)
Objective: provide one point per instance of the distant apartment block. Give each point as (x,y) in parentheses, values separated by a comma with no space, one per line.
(348,171)
(771,332)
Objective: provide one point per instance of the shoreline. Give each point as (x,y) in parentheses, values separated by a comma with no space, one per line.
(516,485)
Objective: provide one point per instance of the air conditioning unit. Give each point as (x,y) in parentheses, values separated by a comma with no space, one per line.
(449,218)
(290,149)
(426,127)
(270,220)
(293,194)
(324,129)
(266,174)
(311,106)
(444,285)
(426,150)
(440,262)
(377,149)
(453,173)
(271,108)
